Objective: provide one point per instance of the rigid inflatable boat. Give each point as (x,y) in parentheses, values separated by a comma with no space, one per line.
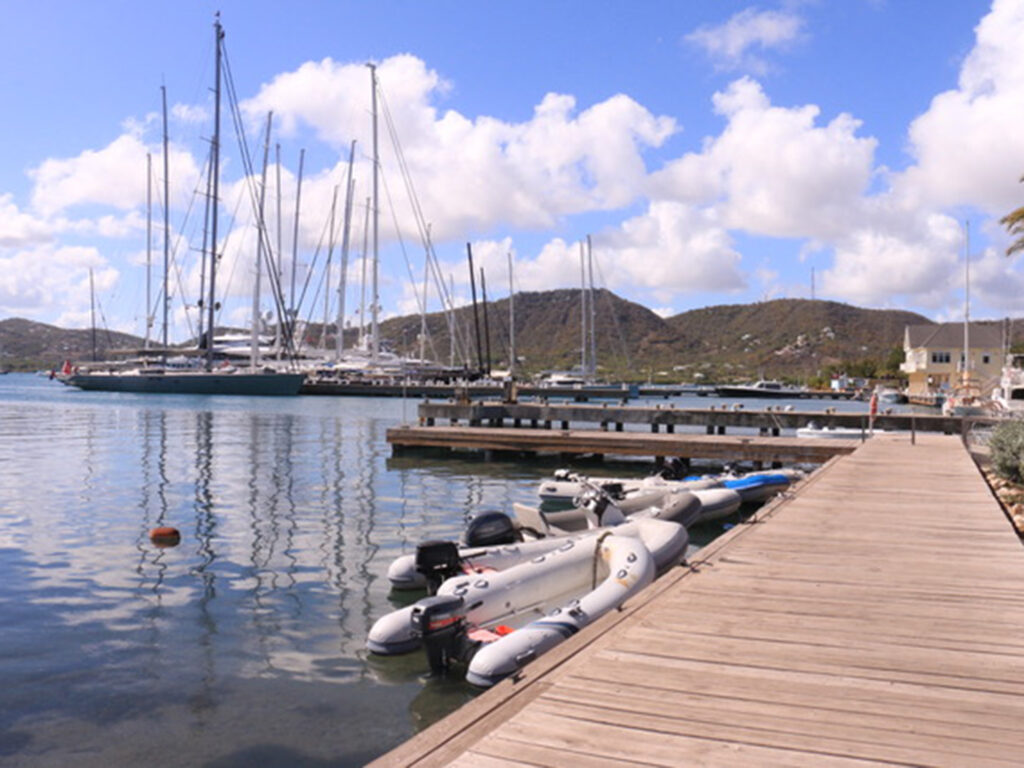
(497,622)
(494,541)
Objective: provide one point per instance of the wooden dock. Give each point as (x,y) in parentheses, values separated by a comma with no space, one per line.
(774,450)
(659,417)
(874,617)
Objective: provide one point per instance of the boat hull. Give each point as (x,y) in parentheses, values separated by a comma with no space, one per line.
(199,383)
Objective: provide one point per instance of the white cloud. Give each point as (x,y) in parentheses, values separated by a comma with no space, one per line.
(472,174)
(908,257)
(773,170)
(19,229)
(50,280)
(969,145)
(732,45)
(114,176)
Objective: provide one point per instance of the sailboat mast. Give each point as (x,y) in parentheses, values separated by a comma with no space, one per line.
(362,289)
(476,315)
(167,219)
(967,301)
(92,313)
(583,313)
(215,170)
(487,330)
(327,270)
(345,239)
(593,315)
(375,308)
(293,312)
(511,321)
(261,230)
(149,247)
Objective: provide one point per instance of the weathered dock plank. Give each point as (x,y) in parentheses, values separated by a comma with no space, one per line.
(874,617)
(750,417)
(723,447)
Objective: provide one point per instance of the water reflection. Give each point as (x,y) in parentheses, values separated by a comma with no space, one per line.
(247,638)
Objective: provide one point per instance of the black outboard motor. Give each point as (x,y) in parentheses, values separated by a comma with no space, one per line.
(437,561)
(440,621)
(490,529)
(614,490)
(674,469)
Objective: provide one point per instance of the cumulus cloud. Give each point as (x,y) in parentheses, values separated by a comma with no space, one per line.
(968,146)
(19,229)
(114,176)
(472,174)
(47,279)
(740,42)
(773,170)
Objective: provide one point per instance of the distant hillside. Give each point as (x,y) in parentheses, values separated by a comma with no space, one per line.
(791,337)
(28,345)
(787,338)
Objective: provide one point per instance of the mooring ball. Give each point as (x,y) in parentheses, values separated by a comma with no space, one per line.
(165,536)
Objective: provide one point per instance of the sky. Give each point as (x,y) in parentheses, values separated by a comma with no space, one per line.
(716,152)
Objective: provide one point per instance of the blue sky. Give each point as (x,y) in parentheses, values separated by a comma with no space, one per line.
(717,152)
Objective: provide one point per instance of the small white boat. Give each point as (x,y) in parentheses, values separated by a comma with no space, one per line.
(813,431)
(498,622)
(566,485)
(716,503)
(1009,395)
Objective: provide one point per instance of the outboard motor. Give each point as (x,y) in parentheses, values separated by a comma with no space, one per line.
(441,622)
(674,469)
(490,529)
(437,561)
(614,490)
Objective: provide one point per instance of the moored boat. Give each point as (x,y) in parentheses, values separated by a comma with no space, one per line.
(539,603)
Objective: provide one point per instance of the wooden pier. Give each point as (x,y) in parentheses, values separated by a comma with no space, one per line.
(873,617)
(593,442)
(609,416)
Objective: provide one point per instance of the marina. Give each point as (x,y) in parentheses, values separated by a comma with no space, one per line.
(834,630)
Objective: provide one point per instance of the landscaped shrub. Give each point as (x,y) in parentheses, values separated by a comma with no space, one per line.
(1007,447)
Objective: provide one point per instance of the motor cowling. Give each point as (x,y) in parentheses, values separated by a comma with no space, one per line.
(437,561)
(490,529)
(614,490)
(441,623)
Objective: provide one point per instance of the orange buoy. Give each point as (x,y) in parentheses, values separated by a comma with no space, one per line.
(165,536)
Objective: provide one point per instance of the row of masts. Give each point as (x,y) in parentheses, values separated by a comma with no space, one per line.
(271,266)
(288,319)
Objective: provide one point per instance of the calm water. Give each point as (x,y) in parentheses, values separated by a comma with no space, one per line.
(244,644)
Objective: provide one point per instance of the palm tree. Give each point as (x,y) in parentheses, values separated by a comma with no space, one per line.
(1014,223)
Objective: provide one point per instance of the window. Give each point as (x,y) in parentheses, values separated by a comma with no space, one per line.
(985,359)
(940,357)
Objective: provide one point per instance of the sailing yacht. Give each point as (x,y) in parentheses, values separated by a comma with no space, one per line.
(208,377)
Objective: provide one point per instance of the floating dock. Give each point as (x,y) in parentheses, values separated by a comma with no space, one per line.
(593,442)
(873,617)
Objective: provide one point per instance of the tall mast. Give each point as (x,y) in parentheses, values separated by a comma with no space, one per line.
(149,246)
(293,312)
(967,302)
(281,319)
(261,230)
(362,289)
(423,306)
(345,236)
(476,316)
(511,321)
(487,330)
(215,170)
(375,308)
(593,316)
(167,219)
(583,314)
(327,270)
(92,313)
